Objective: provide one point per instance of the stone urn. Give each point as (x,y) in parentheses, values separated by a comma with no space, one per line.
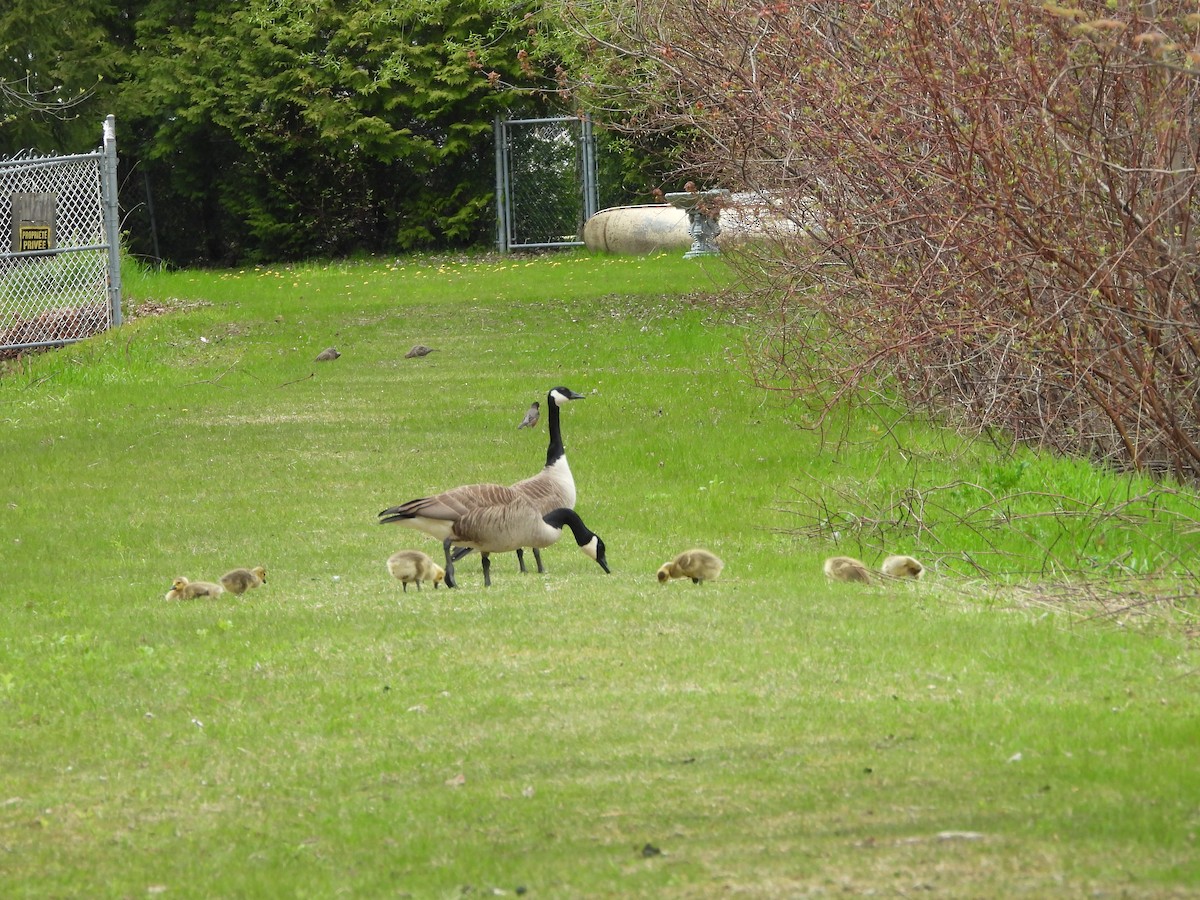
(703,210)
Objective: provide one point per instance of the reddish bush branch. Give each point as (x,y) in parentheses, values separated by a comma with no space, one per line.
(997,202)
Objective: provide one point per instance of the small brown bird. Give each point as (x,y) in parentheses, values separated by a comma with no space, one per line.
(182,589)
(690,187)
(419,350)
(238,581)
(413,567)
(902,567)
(846,568)
(698,565)
(531,417)
(327,354)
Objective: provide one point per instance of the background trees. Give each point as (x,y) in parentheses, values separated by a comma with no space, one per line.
(290,128)
(994,205)
(277,129)
(54,64)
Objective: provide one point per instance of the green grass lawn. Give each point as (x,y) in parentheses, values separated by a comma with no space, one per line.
(570,734)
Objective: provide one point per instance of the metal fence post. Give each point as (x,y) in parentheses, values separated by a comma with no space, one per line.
(112,216)
(591,193)
(501,193)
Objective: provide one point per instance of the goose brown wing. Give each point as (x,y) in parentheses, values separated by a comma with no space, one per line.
(504,527)
(450,505)
(543,492)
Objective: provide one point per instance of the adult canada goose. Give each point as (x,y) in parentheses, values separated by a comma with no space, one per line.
(238,581)
(491,518)
(846,568)
(413,567)
(554,486)
(182,589)
(902,567)
(698,565)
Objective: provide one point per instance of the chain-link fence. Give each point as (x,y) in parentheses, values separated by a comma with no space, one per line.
(59,265)
(545,181)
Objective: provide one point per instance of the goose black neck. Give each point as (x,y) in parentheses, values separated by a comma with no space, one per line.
(557,518)
(555,451)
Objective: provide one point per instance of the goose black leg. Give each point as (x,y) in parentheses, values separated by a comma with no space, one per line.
(537,555)
(521,559)
(449,579)
(487,569)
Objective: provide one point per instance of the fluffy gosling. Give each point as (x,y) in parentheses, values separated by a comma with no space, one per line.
(182,589)
(238,581)
(902,567)
(846,568)
(698,565)
(413,567)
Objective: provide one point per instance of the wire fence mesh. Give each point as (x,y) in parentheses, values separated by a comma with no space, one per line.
(54,266)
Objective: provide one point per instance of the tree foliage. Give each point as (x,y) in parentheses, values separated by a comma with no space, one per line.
(277,129)
(56,63)
(992,206)
(319,127)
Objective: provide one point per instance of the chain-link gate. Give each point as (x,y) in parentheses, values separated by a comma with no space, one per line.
(60,276)
(545,181)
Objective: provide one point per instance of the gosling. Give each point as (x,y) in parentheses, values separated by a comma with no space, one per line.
(182,589)
(902,567)
(413,567)
(238,581)
(846,568)
(698,565)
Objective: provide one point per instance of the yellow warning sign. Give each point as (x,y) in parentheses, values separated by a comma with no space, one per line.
(34,238)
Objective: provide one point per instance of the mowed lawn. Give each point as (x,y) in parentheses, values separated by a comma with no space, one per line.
(572,734)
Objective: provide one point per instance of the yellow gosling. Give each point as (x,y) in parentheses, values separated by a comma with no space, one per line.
(846,568)
(238,581)
(182,589)
(698,565)
(413,567)
(902,567)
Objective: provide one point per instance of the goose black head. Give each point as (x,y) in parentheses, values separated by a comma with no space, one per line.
(560,395)
(595,549)
(587,540)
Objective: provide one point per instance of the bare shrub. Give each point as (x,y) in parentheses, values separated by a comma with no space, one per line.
(996,200)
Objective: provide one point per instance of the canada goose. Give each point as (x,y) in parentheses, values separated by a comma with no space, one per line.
(413,567)
(419,350)
(531,417)
(327,354)
(902,567)
(491,518)
(698,565)
(846,568)
(182,589)
(554,486)
(238,581)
